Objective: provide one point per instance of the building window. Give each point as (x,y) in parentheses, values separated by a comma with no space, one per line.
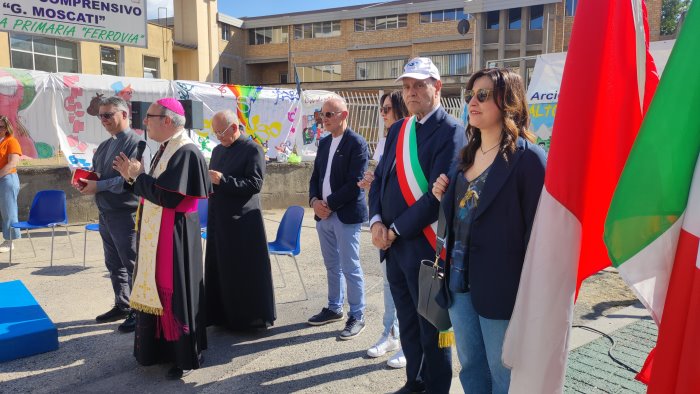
(225,31)
(453,14)
(284,78)
(226,76)
(381,23)
(151,67)
(514,18)
(536,17)
(379,69)
(492,19)
(453,64)
(317,30)
(109,59)
(319,73)
(571,7)
(267,35)
(44,54)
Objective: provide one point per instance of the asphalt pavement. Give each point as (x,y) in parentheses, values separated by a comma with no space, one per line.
(289,357)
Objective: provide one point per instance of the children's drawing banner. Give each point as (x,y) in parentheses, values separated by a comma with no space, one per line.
(52,112)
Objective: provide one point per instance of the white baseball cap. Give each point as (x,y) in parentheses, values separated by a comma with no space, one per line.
(420,68)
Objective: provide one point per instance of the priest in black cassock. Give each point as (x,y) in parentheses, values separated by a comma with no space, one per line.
(168,289)
(239,288)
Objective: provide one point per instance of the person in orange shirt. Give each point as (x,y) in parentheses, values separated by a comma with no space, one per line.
(10,153)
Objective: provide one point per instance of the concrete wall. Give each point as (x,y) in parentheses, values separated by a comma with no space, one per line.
(33,179)
(285,184)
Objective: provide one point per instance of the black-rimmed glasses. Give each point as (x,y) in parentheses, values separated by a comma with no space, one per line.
(385,109)
(149,116)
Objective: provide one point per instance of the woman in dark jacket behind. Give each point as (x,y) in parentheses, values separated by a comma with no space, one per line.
(489,199)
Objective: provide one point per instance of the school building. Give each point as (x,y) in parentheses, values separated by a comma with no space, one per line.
(348,48)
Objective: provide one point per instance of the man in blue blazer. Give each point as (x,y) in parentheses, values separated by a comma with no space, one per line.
(398,223)
(340,209)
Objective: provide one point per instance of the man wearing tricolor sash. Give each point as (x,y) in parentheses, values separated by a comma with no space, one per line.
(404,213)
(168,289)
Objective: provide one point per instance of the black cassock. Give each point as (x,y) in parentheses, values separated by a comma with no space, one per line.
(238,279)
(185,177)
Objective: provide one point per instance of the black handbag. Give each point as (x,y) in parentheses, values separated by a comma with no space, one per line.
(431,283)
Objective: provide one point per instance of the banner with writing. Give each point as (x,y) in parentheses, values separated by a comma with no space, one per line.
(543,91)
(119,22)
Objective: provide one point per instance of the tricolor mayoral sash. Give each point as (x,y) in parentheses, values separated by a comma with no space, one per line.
(412,179)
(152,290)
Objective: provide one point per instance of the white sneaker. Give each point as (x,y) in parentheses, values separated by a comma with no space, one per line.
(5,246)
(397,360)
(384,345)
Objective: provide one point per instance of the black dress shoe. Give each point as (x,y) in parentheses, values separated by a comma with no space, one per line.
(175,373)
(410,388)
(113,314)
(129,324)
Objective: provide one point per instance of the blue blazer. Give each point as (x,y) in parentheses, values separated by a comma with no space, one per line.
(436,147)
(500,229)
(348,167)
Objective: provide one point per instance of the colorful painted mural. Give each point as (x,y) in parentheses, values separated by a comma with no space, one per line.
(57,111)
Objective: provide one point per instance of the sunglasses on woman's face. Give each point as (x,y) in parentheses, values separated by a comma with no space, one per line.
(481,95)
(385,109)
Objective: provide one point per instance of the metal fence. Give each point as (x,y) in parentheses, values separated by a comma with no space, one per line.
(363,108)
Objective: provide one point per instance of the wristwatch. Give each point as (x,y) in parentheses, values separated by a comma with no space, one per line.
(393,229)
(130,181)
(311,203)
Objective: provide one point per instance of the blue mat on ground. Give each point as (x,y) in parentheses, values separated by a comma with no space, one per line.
(25,329)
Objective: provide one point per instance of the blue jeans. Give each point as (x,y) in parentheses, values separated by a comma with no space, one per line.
(391,323)
(340,247)
(479,348)
(9,189)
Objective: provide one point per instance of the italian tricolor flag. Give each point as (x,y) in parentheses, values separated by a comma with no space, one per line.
(653,226)
(609,78)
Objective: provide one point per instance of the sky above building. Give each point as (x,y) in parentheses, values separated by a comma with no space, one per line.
(242,8)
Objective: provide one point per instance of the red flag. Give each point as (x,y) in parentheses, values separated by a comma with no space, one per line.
(608,81)
(676,364)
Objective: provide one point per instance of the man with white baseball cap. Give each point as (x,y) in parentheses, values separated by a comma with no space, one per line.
(400,214)
(420,68)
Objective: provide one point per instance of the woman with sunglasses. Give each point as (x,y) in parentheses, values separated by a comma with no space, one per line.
(489,200)
(10,152)
(391,110)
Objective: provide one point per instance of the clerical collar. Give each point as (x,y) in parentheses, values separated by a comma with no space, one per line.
(121,134)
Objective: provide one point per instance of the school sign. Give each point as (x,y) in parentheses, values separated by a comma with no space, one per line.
(119,22)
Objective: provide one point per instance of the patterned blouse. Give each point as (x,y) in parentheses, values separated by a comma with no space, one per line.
(466,201)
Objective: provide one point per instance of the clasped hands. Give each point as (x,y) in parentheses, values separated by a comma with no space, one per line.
(321,209)
(382,237)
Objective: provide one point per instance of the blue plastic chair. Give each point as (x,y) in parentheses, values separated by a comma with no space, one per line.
(88,227)
(48,210)
(288,241)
